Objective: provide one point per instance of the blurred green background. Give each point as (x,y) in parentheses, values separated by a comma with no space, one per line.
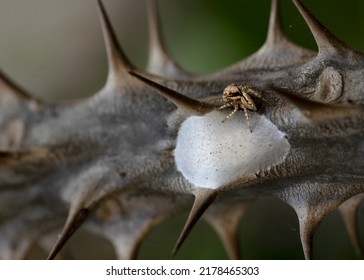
(55,50)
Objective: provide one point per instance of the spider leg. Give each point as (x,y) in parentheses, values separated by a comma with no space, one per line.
(246,99)
(227,105)
(236,108)
(235,97)
(256,93)
(247,117)
(250,91)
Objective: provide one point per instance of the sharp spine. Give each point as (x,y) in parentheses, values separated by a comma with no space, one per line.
(203,199)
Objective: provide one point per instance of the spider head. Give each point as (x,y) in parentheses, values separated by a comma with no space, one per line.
(230,91)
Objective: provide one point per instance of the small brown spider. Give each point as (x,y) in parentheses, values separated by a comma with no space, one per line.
(238,97)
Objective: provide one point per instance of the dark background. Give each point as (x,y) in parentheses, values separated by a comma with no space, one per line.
(55,50)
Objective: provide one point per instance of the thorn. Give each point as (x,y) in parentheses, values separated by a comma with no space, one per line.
(312,202)
(309,218)
(326,41)
(310,214)
(10,89)
(129,253)
(117,60)
(185,103)
(314,110)
(277,51)
(74,221)
(125,242)
(275,30)
(305,106)
(46,242)
(349,211)
(307,231)
(159,61)
(225,219)
(203,199)
(131,231)
(156,46)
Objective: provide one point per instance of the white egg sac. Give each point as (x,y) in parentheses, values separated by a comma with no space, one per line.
(212,154)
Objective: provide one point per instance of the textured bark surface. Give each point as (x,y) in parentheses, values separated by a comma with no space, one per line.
(152,143)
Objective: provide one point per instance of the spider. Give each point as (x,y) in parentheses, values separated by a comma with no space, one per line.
(238,97)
